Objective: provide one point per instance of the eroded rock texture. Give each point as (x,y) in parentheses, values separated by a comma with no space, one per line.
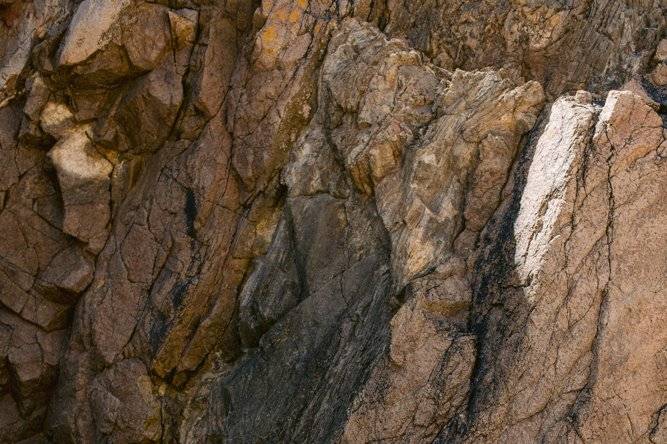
(333,221)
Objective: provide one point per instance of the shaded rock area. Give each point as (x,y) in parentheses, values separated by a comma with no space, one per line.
(336,221)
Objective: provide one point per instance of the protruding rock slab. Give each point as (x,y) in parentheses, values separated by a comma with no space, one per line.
(84,179)
(90,29)
(583,289)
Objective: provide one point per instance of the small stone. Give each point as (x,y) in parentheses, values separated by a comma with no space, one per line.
(56,119)
(659,75)
(661,51)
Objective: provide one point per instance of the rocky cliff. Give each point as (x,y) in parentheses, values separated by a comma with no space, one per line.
(345,221)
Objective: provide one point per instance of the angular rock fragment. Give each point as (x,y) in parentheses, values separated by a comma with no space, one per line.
(89,30)
(22,25)
(424,382)
(108,42)
(124,405)
(147,113)
(56,119)
(83,177)
(272,288)
(69,270)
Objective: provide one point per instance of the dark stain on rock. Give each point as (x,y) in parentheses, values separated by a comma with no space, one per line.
(190,212)
(178,292)
(157,331)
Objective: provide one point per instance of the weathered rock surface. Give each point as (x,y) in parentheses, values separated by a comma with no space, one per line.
(333,221)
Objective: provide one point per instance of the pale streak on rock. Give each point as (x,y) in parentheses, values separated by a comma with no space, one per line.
(559,152)
(575,291)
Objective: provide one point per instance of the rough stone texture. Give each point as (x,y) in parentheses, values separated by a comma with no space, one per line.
(563,317)
(333,221)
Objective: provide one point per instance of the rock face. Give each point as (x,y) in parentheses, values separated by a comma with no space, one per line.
(333,221)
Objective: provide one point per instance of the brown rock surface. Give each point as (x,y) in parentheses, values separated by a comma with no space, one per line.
(333,221)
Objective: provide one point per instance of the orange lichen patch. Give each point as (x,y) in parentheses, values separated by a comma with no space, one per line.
(268,36)
(269,43)
(280,14)
(288,14)
(295,16)
(302,3)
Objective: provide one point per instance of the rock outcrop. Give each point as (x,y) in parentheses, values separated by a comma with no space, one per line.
(333,221)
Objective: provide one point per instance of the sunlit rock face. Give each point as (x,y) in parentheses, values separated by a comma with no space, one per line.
(333,221)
